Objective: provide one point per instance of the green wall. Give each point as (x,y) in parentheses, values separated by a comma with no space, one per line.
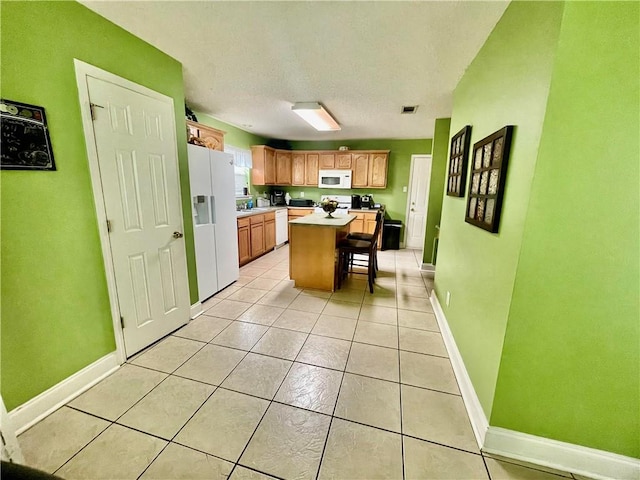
(571,368)
(436,186)
(398,172)
(55,306)
(506,84)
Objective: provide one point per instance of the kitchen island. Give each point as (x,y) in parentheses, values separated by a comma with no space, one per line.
(312,249)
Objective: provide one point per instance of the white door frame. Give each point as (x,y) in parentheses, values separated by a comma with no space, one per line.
(84,70)
(408,208)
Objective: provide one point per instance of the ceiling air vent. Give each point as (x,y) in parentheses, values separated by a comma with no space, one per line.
(409,109)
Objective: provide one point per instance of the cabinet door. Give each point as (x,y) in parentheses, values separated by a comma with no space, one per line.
(360,176)
(327,161)
(269,167)
(283,167)
(213,139)
(378,170)
(244,245)
(312,161)
(257,239)
(369,222)
(297,169)
(269,235)
(343,161)
(357,226)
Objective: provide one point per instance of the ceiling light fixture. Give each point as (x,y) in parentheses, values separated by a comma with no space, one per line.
(315,115)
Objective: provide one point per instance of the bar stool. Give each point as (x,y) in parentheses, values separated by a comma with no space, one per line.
(369,236)
(349,247)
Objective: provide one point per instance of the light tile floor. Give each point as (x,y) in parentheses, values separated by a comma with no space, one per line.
(274,381)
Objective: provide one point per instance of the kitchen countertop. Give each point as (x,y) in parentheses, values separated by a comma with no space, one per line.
(321,220)
(256,211)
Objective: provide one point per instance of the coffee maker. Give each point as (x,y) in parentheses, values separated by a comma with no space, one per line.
(366,201)
(277,198)
(355,201)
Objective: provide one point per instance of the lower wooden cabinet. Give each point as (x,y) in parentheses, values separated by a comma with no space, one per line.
(365,222)
(269,231)
(256,236)
(244,240)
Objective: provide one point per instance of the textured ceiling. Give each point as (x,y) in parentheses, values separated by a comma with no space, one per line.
(246,63)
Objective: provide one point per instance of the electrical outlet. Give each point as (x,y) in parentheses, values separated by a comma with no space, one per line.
(301,194)
(404,189)
(448,300)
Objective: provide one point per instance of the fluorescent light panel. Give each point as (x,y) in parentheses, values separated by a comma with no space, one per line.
(315,115)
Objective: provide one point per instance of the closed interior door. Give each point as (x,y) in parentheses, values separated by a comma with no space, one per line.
(136,149)
(418,199)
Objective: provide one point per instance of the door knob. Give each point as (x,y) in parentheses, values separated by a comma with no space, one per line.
(178,235)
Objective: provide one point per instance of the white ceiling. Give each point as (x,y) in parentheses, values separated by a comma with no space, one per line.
(246,63)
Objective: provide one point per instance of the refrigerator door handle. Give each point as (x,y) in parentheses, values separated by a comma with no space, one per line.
(213,209)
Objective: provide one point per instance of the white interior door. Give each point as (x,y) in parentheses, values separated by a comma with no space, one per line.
(136,150)
(418,200)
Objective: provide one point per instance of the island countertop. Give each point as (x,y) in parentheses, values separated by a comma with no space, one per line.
(321,220)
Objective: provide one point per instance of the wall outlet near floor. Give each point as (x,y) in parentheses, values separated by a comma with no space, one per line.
(301,194)
(404,189)
(448,300)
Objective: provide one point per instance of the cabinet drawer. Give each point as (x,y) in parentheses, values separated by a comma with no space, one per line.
(255,219)
(243,222)
(270,217)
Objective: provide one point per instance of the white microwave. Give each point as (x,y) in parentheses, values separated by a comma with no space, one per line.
(334,179)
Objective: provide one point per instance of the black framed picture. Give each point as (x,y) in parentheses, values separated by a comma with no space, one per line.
(458,158)
(487,179)
(24,137)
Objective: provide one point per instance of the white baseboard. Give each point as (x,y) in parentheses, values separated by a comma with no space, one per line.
(428,267)
(567,457)
(479,421)
(196,310)
(47,402)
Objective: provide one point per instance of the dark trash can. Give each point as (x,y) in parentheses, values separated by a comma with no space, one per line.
(391,234)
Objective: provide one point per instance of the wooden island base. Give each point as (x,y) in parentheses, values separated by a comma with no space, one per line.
(312,250)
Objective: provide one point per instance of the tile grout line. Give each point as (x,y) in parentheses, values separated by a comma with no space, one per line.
(404,474)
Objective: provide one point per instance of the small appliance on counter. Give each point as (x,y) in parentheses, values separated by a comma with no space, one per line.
(263,202)
(356,201)
(366,202)
(301,202)
(277,198)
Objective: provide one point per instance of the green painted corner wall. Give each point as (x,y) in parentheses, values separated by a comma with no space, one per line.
(506,84)
(55,306)
(571,369)
(398,171)
(439,162)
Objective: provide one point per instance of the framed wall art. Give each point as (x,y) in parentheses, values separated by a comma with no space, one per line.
(24,137)
(458,157)
(487,179)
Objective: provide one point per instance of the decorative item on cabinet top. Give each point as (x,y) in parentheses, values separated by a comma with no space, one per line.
(487,179)
(205,136)
(300,167)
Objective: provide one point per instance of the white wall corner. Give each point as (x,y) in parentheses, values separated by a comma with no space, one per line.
(479,421)
(567,457)
(31,412)
(196,310)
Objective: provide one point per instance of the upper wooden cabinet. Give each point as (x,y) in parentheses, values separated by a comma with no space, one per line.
(343,161)
(206,136)
(285,167)
(311,163)
(263,171)
(378,170)
(360,177)
(298,168)
(327,160)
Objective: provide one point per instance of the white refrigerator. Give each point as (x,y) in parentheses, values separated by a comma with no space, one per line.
(211,177)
